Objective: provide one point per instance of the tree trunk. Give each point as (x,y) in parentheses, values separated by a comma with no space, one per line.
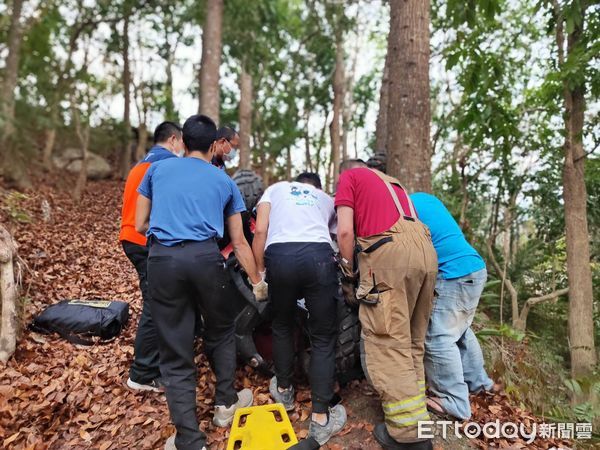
(408,112)
(338,102)
(126,155)
(49,148)
(381,124)
(288,163)
(9,83)
(245,117)
(8,296)
(170,113)
(211,60)
(307,159)
(581,298)
(140,149)
(11,70)
(83,134)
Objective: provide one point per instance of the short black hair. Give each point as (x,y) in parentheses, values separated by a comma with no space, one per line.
(351,164)
(310,178)
(378,161)
(199,133)
(165,130)
(226,132)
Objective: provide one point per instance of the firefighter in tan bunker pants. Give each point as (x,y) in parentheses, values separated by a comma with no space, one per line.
(398,268)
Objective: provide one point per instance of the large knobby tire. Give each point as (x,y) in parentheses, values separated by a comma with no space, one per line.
(347,350)
(250,185)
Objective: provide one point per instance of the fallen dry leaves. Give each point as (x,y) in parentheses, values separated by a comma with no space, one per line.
(55,395)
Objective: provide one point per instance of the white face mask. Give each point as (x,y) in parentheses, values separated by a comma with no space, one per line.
(180,153)
(231,155)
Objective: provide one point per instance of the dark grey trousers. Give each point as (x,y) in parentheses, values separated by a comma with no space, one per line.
(186,281)
(144,368)
(304,270)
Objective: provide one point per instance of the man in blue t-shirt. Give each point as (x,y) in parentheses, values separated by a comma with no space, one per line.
(453,358)
(182,207)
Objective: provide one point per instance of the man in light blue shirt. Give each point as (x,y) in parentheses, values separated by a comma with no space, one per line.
(453,359)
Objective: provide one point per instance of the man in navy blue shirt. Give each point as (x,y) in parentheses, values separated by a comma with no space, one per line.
(453,358)
(183,206)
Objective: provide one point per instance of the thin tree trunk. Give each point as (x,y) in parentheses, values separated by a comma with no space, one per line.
(83,134)
(140,149)
(581,297)
(288,163)
(381,124)
(211,60)
(170,113)
(307,159)
(8,296)
(11,70)
(338,103)
(245,117)
(126,155)
(9,83)
(408,113)
(49,148)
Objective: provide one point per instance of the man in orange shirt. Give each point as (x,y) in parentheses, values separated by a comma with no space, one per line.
(144,374)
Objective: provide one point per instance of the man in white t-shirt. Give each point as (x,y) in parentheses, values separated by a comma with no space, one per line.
(292,241)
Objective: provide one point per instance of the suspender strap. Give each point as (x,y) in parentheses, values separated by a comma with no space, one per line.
(385,179)
(397,201)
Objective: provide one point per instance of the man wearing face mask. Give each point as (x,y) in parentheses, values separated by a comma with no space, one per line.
(184,206)
(144,373)
(225,146)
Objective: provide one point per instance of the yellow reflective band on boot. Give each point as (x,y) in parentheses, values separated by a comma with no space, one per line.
(409,404)
(407,420)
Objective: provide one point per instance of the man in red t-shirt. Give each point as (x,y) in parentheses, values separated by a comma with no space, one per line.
(398,268)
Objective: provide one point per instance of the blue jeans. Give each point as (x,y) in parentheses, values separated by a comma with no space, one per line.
(453,358)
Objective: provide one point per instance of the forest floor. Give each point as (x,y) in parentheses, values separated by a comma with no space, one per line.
(55,395)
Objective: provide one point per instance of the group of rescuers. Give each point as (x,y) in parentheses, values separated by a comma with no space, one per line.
(418,285)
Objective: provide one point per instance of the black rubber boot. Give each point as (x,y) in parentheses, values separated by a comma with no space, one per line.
(389,443)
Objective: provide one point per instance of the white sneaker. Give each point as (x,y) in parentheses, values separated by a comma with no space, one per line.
(154,386)
(224,416)
(170,444)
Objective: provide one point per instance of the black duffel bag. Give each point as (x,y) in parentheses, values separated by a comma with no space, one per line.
(79,320)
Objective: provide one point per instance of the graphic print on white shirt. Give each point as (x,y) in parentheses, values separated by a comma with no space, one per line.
(299,213)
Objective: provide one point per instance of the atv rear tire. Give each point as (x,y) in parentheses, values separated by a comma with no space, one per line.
(250,185)
(347,350)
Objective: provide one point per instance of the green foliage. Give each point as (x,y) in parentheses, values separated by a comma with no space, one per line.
(503,330)
(12,205)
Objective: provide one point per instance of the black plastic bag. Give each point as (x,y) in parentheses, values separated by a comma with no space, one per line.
(79,320)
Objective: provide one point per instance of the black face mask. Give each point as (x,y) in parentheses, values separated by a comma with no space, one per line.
(218,162)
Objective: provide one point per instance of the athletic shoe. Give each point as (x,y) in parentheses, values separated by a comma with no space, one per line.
(336,421)
(286,397)
(154,385)
(223,416)
(170,444)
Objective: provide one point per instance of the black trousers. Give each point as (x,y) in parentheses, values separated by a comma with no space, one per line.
(295,271)
(144,368)
(185,281)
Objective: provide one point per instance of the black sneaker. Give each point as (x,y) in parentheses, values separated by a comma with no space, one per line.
(154,385)
(389,443)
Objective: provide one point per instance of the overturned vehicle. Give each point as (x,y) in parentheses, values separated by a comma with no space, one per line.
(253,319)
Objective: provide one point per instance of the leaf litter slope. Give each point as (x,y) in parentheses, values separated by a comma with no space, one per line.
(55,395)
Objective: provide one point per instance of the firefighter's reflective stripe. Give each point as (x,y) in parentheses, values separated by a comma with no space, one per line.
(421,384)
(407,420)
(418,401)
